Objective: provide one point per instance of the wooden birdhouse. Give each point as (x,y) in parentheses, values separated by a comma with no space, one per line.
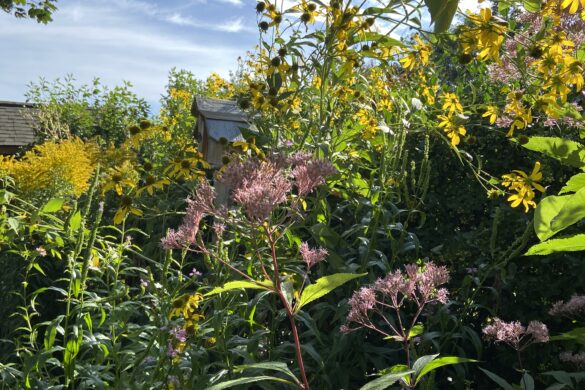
(218,124)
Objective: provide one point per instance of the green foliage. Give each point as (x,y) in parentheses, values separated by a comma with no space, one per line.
(323,286)
(85,111)
(40,10)
(442,13)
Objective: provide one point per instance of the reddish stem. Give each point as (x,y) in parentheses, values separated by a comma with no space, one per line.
(289,312)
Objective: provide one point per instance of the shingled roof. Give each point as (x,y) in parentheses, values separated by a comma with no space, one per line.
(15,129)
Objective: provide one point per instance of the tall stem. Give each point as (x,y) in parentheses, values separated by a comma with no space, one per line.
(289,312)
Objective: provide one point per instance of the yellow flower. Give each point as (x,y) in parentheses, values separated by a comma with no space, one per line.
(486,36)
(55,168)
(492,113)
(188,307)
(126,207)
(151,184)
(118,178)
(421,52)
(523,186)
(187,166)
(573,5)
(451,103)
(452,128)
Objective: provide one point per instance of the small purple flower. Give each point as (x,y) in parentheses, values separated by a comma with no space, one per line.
(194,273)
(179,334)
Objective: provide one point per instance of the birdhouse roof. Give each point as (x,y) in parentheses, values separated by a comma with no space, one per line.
(209,108)
(15,129)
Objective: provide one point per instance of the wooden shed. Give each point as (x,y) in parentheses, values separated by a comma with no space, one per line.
(218,122)
(16,129)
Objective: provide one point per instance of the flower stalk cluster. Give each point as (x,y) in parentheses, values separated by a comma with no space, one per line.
(515,334)
(380,307)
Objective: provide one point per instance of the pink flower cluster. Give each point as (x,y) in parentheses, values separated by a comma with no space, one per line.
(575,359)
(312,256)
(417,284)
(515,334)
(262,190)
(197,208)
(574,308)
(260,186)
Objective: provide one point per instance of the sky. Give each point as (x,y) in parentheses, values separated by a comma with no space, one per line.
(128,40)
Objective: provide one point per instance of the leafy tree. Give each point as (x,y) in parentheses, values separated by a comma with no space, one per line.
(85,111)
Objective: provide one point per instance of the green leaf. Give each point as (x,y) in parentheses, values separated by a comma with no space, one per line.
(274,366)
(50,335)
(440,362)
(53,205)
(527,382)
(242,381)
(580,55)
(385,381)
(532,5)
(324,286)
(574,184)
(258,285)
(442,13)
(13,223)
(577,334)
(416,330)
(421,363)
(500,381)
(547,209)
(372,36)
(568,244)
(75,221)
(566,151)
(572,212)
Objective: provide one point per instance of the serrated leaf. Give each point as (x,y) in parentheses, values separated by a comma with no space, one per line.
(53,205)
(237,284)
(566,151)
(547,209)
(324,286)
(572,212)
(441,362)
(442,13)
(385,381)
(242,381)
(567,244)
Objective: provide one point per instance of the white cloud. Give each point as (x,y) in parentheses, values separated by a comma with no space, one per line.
(237,3)
(90,39)
(235,25)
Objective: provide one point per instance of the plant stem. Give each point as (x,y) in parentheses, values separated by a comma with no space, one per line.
(288,309)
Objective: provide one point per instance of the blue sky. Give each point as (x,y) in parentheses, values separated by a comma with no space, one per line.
(134,40)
